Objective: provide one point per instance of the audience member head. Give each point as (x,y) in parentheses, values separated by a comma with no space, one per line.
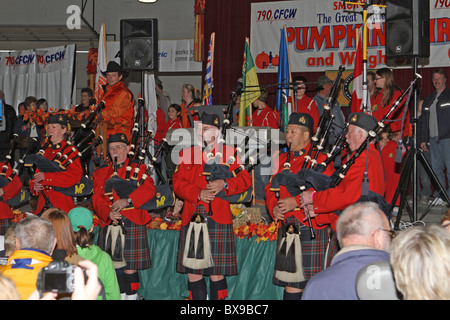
(8,290)
(21,108)
(42,104)
(188,93)
(197,102)
(384,80)
(371,82)
(420,260)
(174,111)
(65,238)
(364,224)
(81,220)
(30,103)
(35,233)
(261,101)
(302,86)
(86,96)
(324,85)
(439,79)
(10,241)
(445,220)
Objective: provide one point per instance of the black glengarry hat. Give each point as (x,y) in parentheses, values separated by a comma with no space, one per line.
(118,137)
(363,120)
(211,119)
(302,119)
(59,118)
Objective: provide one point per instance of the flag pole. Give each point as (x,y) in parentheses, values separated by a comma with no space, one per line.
(365,5)
(290,73)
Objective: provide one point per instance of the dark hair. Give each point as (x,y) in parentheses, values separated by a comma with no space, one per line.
(439,71)
(176,106)
(301,79)
(29,100)
(83,238)
(88,91)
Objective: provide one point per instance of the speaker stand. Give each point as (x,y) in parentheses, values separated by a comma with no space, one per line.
(410,166)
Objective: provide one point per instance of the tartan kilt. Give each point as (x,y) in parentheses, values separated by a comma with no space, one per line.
(223,248)
(136,250)
(315,252)
(5,224)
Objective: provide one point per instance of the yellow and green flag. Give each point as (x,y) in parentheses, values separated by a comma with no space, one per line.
(251,90)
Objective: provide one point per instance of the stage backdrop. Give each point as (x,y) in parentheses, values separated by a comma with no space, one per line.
(231,20)
(44,73)
(322,34)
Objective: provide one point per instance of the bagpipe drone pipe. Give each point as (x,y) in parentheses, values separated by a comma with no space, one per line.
(319,139)
(164,196)
(214,169)
(61,162)
(315,178)
(7,174)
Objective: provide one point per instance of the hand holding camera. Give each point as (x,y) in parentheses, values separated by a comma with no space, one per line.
(62,278)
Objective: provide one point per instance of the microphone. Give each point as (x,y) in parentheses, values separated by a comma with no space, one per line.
(239,88)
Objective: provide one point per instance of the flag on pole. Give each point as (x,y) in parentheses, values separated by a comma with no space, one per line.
(357,95)
(102,62)
(209,82)
(250,90)
(284,99)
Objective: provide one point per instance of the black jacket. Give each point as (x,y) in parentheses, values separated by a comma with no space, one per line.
(6,135)
(443,117)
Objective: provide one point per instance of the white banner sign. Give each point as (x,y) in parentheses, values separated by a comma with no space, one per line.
(322,34)
(177,56)
(43,73)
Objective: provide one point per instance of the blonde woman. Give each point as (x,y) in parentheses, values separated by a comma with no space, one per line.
(420,259)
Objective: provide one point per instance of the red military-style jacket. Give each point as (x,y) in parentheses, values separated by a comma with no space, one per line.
(265,118)
(141,195)
(10,190)
(296,163)
(379,111)
(349,190)
(64,179)
(309,106)
(188,181)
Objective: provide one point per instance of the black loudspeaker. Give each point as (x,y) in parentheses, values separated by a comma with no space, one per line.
(139,44)
(407,31)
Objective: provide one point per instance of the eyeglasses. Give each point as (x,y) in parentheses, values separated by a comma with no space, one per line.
(392,233)
(445,225)
(378,78)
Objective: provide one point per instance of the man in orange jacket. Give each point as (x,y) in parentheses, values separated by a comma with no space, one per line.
(118,114)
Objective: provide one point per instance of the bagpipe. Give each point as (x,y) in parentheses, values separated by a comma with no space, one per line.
(6,176)
(314,178)
(319,139)
(215,169)
(80,144)
(164,196)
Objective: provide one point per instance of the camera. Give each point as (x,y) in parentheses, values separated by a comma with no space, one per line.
(56,277)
